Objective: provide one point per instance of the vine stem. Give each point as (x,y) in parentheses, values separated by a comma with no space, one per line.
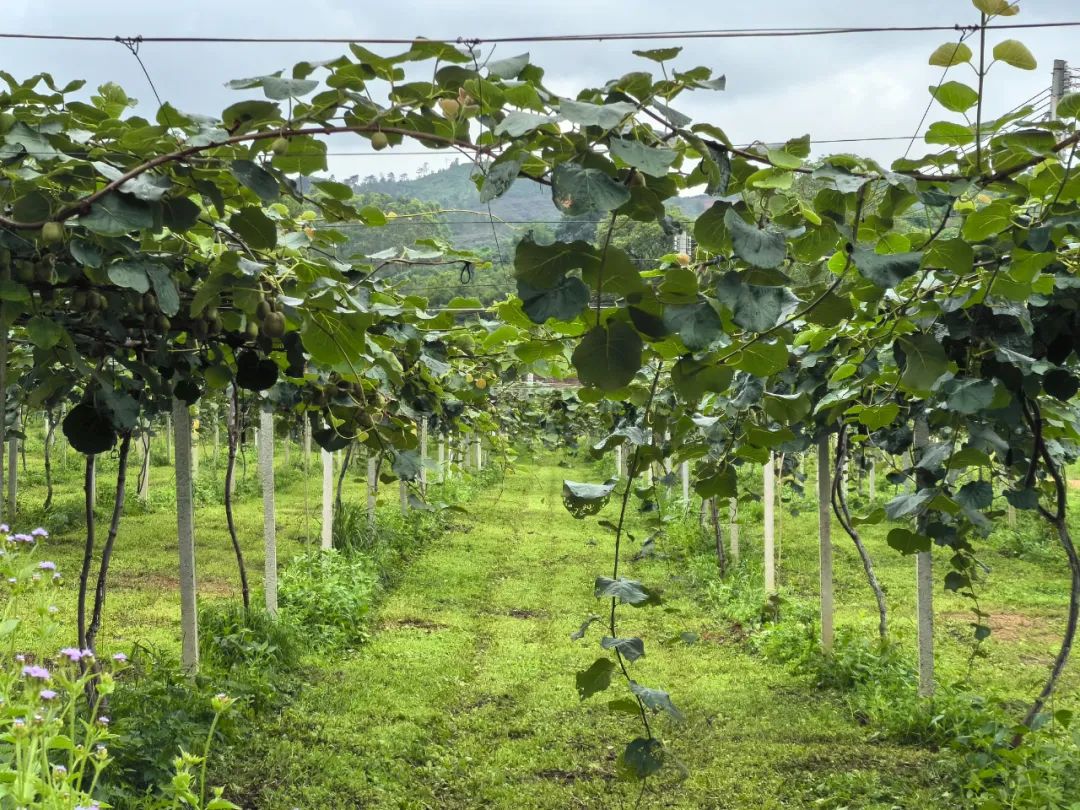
(233,436)
(843,515)
(600,269)
(88,547)
(979,103)
(1057,519)
(110,541)
(631,473)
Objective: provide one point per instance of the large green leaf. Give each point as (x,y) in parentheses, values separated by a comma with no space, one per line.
(609,356)
(629,648)
(692,379)
(543,266)
(955,96)
(652,160)
(164,288)
(643,757)
(762,359)
(886,269)
(255,228)
(117,214)
(44,332)
(753,307)
(130,274)
(576,190)
(605,116)
(697,325)
(924,361)
(987,221)
(758,247)
(1014,52)
(908,542)
(256,178)
(627,591)
(950,53)
(582,499)
(563,302)
(656,699)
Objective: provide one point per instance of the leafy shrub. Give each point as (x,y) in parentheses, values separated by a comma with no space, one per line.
(328,594)
(159,711)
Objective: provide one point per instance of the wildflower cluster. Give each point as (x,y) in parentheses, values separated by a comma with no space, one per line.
(52,697)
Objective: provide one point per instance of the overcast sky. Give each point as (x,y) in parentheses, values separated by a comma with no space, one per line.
(831,87)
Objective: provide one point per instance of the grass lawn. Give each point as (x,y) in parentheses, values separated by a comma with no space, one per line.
(464,696)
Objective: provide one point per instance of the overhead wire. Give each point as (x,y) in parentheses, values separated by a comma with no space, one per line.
(691,34)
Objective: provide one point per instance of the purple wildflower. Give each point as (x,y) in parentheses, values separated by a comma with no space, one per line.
(119,658)
(103,721)
(73,653)
(47,694)
(23,538)
(34,671)
(47,565)
(39,532)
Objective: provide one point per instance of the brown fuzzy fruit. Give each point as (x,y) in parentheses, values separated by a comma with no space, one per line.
(273,325)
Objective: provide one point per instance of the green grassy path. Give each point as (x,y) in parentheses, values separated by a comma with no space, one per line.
(465,698)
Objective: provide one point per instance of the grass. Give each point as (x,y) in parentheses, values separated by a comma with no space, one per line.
(464,696)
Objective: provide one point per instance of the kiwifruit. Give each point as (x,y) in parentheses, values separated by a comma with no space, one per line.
(379,141)
(52,232)
(273,325)
(262,309)
(163,323)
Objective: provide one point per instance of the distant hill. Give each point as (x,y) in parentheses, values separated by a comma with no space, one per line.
(466,222)
(526,206)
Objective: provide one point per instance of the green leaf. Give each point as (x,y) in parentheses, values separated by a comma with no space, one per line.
(987,221)
(256,178)
(1069,106)
(117,214)
(886,270)
(710,232)
(406,465)
(995,7)
(975,495)
(577,191)
(950,254)
(692,379)
(509,68)
(924,361)
(762,359)
(656,699)
(44,332)
(279,89)
(629,648)
(907,542)
(605,116)
(517,123)
(582,499)
(659,54)
(879,416)
(13,291)
(131,275)
(652,160)
(971,396)
(643,757)
(609,356)
(907,504)
(1014,52)
(753,245)
(564,302)
(255,228)
(500,176)
(955,96)
(627,591)
(88,430)
(595,679)
(697,325)
(950,53)
(543,266)
(164,288)
(754,308)
(949,133)
(85,253)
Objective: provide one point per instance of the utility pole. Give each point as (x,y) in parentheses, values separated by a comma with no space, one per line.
(1059,85)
